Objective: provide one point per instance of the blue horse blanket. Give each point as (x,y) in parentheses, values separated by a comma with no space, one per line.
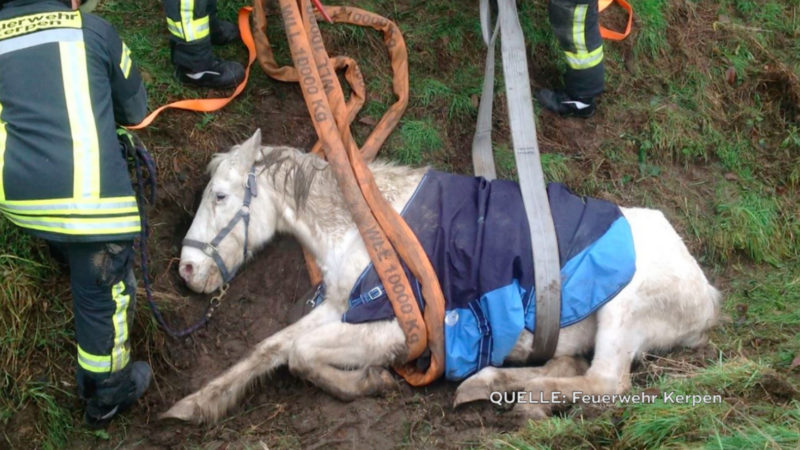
(476,235)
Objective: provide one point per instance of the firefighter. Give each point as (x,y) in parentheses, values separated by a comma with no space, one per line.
(575,25)
(65,79)
(193,26)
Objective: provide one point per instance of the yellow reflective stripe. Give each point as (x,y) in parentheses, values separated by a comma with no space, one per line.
(40,21)
(93,363)
(578,28)
(81,226)
(585,60)
(193,30)
(582,58)
(85,146)
(119,353)
(125,63)
(3,137)
(201,27)
(67,207)
(175,28)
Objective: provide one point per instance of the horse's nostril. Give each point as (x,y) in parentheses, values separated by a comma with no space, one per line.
(186,270)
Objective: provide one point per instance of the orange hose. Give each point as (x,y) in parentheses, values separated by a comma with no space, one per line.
(381,227)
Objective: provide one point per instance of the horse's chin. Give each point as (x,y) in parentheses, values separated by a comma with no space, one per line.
(209,285)
(213,283)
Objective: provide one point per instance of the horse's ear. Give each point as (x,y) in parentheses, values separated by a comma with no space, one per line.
(250,150)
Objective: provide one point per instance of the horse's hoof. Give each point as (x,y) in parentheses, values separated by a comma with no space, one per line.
(378,380)
(183,410)
(471,390)
(477,387)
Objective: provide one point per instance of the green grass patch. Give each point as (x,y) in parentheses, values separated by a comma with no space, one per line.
(751,222)
(763,313)
(651,41)
(417,139)
(35,331)
(722,422)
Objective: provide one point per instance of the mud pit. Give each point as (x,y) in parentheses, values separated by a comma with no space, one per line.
(281,411)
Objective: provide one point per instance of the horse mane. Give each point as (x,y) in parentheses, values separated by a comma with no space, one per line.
(295,173)
(299,171)
(216,160)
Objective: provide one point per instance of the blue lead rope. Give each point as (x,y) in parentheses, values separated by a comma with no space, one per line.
(135,150)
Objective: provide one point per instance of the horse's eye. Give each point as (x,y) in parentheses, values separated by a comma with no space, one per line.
(221,196)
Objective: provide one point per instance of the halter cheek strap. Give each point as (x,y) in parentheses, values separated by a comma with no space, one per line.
(210,248)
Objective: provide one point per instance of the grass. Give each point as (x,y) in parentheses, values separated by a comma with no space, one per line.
(715,422)
(418,138)
(35,331)
(699,119)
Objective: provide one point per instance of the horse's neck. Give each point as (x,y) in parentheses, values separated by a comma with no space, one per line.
(323,225)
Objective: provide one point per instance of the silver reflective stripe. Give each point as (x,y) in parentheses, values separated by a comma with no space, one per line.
(187,16)
(93,363)
(70,206)
(42,37)
(119,353)
(92,225)
(96,365)
(85,145)
(175,28)
(579,28)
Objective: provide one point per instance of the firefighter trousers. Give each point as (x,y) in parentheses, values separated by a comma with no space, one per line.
(575,25)
(189,23)
(104,294)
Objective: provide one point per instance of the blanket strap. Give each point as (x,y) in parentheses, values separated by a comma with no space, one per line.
(384,231)
(547,269)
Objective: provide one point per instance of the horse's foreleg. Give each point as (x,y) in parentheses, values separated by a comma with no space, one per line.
(349,360)
(506,379)
(219,395)
(618,340)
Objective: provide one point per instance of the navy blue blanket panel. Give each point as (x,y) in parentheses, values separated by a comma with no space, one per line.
(476,235)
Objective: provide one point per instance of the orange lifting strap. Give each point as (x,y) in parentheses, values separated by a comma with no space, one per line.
(605,33)
(384,231)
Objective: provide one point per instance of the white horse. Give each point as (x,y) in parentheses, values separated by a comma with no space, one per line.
(667,303)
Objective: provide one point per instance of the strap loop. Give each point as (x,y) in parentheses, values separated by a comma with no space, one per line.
(547,273)
(612,35)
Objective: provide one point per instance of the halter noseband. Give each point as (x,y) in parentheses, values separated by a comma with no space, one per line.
(210,248)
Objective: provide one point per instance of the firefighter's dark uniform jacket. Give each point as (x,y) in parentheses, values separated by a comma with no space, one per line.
(65,79)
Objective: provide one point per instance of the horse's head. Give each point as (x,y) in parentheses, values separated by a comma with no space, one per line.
(220,237)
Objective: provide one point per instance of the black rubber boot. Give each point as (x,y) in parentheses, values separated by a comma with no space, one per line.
(223,32)
(219,74)
(560,102)
(116,394)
